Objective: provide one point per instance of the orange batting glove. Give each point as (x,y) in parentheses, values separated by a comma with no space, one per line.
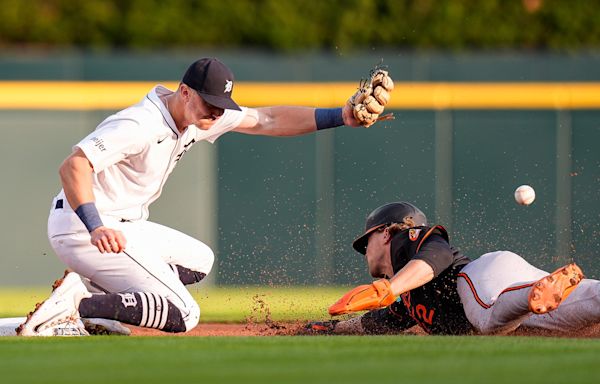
(364,297)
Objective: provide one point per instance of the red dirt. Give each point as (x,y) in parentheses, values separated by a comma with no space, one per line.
(221,329)
(287,329)
(260,323)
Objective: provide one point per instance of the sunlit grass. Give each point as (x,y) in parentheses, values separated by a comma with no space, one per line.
(217,304)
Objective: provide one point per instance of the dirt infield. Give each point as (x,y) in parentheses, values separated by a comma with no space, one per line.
(296,328)
(222,329)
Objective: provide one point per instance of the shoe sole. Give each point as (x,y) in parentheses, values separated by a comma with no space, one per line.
(55,285)
(547,293)
(96,326)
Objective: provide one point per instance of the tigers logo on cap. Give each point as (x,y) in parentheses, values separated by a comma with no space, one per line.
(213,81)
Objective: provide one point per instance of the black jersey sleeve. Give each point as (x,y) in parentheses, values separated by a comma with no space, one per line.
(392,319)
(436,252)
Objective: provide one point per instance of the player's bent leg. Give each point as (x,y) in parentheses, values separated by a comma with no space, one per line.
(547,293)
(494,291)
(142,309)
(498,317)
(177,248)
(190,259)
(186,275)
(154,299)
(508,311)
(579,311)
(139,269)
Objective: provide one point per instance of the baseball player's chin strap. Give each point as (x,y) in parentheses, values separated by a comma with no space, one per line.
(142,309)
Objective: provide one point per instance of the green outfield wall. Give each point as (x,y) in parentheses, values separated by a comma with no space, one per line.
(284,210)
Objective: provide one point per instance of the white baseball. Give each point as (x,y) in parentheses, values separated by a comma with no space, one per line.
(524,195)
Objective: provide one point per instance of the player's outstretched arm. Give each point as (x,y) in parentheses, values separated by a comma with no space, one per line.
(383,292)
(389,320)
(413,275)
(364,108)
(364,297)
(76,178)
(294,121)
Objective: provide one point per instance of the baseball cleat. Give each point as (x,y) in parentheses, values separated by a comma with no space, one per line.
(58,315)
(547,293)
(68,328)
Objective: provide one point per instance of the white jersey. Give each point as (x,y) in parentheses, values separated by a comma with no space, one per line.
(135,150)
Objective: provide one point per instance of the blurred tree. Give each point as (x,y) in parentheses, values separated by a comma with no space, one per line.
(287,25)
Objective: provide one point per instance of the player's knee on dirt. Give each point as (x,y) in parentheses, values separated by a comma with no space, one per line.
(143,309)
(175,322)
(182,318)
(191,317)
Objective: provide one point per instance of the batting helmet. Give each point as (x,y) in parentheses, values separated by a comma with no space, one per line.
(386,215)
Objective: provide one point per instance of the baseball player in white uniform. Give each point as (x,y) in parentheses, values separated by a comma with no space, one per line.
(425,281)
(98,222)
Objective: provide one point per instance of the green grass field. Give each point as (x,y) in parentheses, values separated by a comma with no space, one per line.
(287,359)
(228,305)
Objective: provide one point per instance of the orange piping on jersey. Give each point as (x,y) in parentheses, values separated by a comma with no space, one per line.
(516,288)
(478,299)
(426,236)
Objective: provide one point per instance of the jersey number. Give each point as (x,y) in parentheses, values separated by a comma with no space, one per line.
(419,312)
(424,314)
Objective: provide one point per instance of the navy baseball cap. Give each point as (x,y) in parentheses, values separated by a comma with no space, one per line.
(213,81)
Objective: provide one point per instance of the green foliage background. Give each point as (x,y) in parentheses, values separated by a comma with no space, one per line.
(286,25)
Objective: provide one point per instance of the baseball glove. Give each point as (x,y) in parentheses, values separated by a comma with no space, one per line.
(364,297)
(372,95)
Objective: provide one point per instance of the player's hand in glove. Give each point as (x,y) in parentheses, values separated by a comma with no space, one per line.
(320,327)
(369,101)
(364,297)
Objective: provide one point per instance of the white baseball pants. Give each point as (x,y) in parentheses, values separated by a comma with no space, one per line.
(494,291)
(144,266)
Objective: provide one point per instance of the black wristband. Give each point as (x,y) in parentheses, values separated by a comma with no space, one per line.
(88,213)
(329,117)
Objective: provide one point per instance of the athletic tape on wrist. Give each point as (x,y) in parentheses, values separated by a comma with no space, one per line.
(88,213)
(328,118)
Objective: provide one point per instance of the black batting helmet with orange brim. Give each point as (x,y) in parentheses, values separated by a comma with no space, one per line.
(385,215)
